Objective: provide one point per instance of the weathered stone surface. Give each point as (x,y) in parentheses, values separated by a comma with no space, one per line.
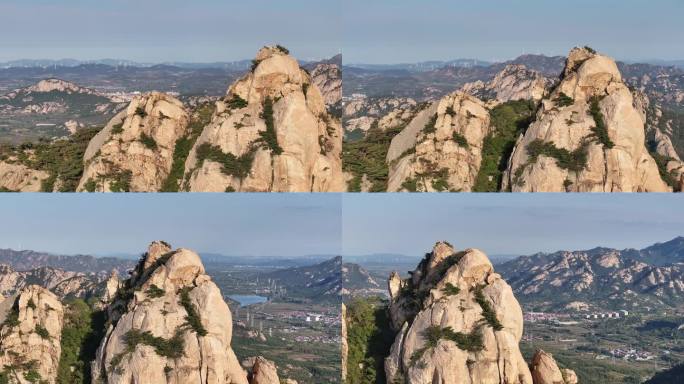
(545,370)
(626,166)
(514,82)
(17,177)
(31,341)
(441,149)
(137,146)
(303,154)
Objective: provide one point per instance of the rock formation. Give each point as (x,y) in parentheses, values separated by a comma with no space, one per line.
(441,148)
(545,370)
(270,133)
(327,76)
(588,136)
(30,336)
(514,82)
(169,324)
(457,321)
(16,177)
(62,283)
(134,152)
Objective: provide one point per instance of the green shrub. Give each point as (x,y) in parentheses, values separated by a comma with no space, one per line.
(31,304)
(90,185)
(670,178)
(255,64)
(229,189)
(508,121)
(172,348)
(269,136)
(42,332)
(450,111)
(192,318)
(236,102)
(82,333)
(564,100)
(590,49)
(574,161)
(471,342)
(199,119)
(460,140)
(154,291)
(231,164)
(140,111)
(450,289)
(282,49)
(487,311)
(410,184)
(120,181)
(148,141)
(305,88)
(117,128)
(32,376)
(600,131)
(430,126)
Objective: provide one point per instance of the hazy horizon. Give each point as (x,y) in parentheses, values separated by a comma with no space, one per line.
(166,30)
(407,31)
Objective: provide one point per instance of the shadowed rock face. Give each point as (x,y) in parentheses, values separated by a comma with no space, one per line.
(591,117)
(30,335)
(457,321)
(441,149)
(169,324)
(134,152)
(274,133)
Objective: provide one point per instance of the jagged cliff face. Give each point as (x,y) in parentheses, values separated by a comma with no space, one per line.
(30,335)
(588,136)
(63,283)
(18,177)
(169,324)
(514,82)
(457,321)
(134,152)
(270,133)
(441,149)
(328,78)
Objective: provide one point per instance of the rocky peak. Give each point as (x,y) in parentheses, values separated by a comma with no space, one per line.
(50,85)
(171,326)
(134,152)
(30,335)
(513,82)
(270,133)
(441,148)
(458,322)
(588,136)
(545,370)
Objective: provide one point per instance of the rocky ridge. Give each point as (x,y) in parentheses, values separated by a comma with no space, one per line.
(62,283)
(458,322)
(169,324)
(514,82)
(30,336)
(271,132)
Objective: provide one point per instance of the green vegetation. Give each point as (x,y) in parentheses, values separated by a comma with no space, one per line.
(90,185)
(450,111)
(154,291)
(460,140)
(369,338)
(282,49)
(31,304)
(487,311)
(200,118)
(140,111)
(410,184)
(574,161)
(192,318)
(172,348)
(600,131)
(668,177)
(83,330)
(509,120)
(236,102)
(120,181)
(12,318)
(231,164)
(148,141)
(269,137)
(564,100)
(440,183)
(117,128)
(255,64)
(430,126)
(368,156)
(450,289)
(590,49)
(42,332)
(471,342)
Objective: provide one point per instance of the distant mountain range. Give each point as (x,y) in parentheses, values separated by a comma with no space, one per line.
(319,281)
(602,278)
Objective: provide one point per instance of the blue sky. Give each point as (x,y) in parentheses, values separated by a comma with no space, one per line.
(166,30)
(395,31)
(236,224)
(508,224)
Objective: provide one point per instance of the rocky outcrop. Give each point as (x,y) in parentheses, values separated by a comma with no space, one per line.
(441,148)
(327,76)
(16,177)
(30,336)
(457,321)
(270,133)
(134,152)
(263,371)
(545,370)
(588,136)
(62,283)
(514,82)
(169,324)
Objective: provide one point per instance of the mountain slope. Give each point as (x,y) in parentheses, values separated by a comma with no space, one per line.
(321,281)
